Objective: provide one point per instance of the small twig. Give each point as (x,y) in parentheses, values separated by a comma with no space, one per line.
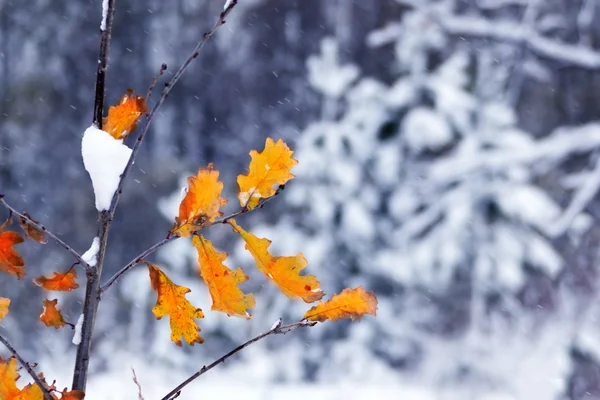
(275,330)
(150,250)
(30,370)
(42,228)
(140,395)
(162,70)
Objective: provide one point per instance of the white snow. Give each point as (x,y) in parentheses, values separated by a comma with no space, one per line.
(104,15)
(77,334)
(90,256)
(104,159)
(227,4)
(424,129)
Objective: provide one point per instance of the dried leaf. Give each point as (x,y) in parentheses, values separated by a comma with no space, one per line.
(351,303)
(221,281)
(72,394)
(4,304)
(31,232)
(171,301)
(122,118)
(267,169)
(51,316)
(200,206)
(60,282)
(10,261)
(284,271)
(8,379)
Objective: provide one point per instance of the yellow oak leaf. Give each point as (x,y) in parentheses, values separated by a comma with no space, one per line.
(267,169)
(283,271)
(171,301)
(8,379)
(4,304)
(221,281)
(351,303)
(51,316)
(201,204)
(60,282)
(122,118)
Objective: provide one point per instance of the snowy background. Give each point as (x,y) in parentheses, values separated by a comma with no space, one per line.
(449,161)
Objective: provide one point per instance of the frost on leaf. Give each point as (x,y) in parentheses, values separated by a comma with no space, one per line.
(31,231)
(51,316)
(283,271)
(122,119)
(202,202)
(267,169)
(60,282)
(221,281)
(351,303)
(4,303)
(10,261)
(171,300)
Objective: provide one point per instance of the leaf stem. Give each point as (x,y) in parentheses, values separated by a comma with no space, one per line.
(277,329)
(42,228)
(27,366)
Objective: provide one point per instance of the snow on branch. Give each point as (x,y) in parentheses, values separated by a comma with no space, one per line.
(473,26)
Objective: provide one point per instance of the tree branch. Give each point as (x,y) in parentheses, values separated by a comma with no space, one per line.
(30,370)
(92,294)
(150,250)
(277,329)
(42,228)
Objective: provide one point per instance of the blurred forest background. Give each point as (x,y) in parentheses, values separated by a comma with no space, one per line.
(449,161)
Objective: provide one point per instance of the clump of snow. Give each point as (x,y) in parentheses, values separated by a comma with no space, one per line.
(104,159)
(77,334)
(326,74)
(104,15)
(424,129)
(227,4)
(90,256)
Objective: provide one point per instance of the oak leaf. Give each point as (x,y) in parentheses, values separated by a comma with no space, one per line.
(283,271)
(72,394)
(200,206)
(267,169)
(4,304)
(171,301)
(10,261)
(51,316)
(351,303)
(60,282)
(8,379)
(221,281)
(31,232)
(122,118)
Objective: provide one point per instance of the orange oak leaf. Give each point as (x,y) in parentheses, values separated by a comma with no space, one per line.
(51,316)
(267,169)
(4,304)
(171,300)
(351,303)
(31,232)
(122,118)
(10,261)
(284,271)
(60,282)
(72,394)
(221,281)
(200,206)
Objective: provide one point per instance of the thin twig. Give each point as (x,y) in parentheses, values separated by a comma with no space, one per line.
(150,250)
(92,294)
(275,330)
(30,370)
(162,70)
(42,228)
(140,395)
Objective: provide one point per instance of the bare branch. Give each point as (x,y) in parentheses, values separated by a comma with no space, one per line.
(160,73)
(150,250)
(277,329)
(42,228)
(27,366)
(92,295)
(140,395)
